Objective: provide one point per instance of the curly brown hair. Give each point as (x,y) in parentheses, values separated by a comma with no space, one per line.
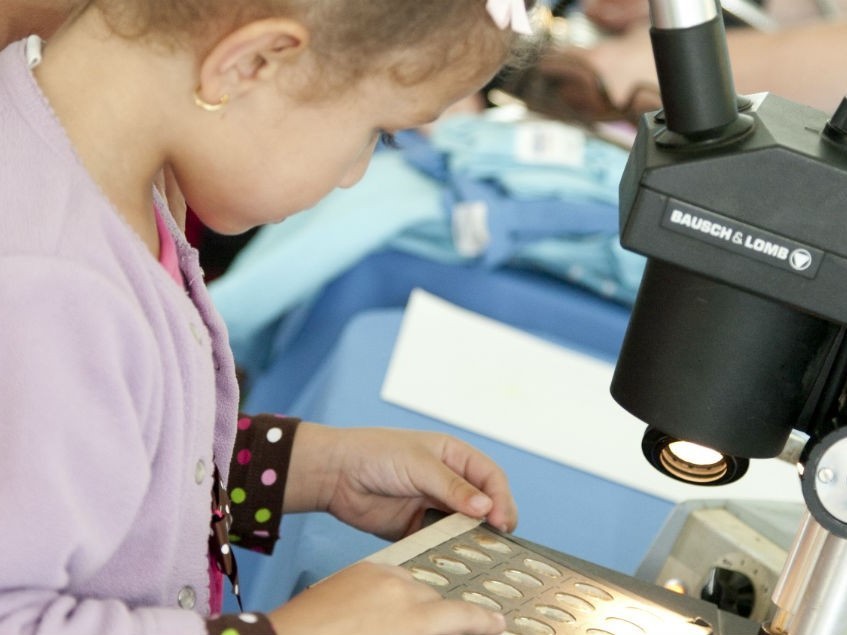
(412,39)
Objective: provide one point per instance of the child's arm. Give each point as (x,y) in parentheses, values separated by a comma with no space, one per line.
(379,480)
(376,479)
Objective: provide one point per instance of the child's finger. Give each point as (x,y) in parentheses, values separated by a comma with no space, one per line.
(455,617)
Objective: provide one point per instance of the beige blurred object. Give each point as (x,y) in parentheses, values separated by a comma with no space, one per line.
(588,75)
(796,60)
(791,12)
(563,84)
(616,15)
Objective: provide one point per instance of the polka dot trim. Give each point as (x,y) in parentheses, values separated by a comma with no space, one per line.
(220,552)
(258,473)
(242,624)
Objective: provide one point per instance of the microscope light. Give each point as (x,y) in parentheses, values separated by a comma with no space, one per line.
(690,462)
(676,585)
(694,453)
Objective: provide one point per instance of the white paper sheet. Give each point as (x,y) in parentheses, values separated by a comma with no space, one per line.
(492,379)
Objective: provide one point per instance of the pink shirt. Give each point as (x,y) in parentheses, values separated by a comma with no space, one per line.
(168,256)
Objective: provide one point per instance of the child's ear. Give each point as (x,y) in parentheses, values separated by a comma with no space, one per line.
(249,55)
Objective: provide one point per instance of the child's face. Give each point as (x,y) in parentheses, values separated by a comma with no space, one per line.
(279,156)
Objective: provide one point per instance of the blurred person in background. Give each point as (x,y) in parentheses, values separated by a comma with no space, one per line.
(598,62)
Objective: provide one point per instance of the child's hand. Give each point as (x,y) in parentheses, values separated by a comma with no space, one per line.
(376,599)
(383,480)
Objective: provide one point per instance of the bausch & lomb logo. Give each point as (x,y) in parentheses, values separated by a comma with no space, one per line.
(798,259)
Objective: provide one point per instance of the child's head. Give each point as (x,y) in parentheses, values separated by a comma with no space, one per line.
(412,39)
(305,88)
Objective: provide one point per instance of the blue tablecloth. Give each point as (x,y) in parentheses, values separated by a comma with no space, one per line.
(328,362)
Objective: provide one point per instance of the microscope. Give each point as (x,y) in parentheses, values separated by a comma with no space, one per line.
(736,344)
(735,350)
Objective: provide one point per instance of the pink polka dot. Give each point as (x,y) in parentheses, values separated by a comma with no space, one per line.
(244,423)
(244,457)
(262,533)
(269,477)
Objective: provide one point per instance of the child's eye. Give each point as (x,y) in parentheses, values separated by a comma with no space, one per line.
(388,140)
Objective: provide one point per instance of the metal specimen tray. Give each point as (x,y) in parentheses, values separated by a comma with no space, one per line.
(537,591)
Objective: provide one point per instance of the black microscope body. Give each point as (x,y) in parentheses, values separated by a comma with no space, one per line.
(740,204)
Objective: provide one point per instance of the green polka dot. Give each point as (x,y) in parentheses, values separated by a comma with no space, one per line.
(229,631)
(234,538)
(238,495)
(263,515)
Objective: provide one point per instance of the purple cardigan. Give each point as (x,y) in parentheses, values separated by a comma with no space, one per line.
(117,393)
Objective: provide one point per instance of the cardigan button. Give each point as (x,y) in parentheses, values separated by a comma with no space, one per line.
(187,597)
(196,332)
(199,472)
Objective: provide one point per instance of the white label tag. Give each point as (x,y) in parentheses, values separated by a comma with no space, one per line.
(549,143)
(470,228)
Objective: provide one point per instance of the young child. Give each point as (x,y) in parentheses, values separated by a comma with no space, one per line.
(120,430)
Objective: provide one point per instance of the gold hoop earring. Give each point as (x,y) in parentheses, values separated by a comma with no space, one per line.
(205,105)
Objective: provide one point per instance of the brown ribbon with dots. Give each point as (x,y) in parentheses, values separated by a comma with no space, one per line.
(219,545)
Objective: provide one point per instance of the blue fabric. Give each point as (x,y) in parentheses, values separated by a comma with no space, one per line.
(561,220)
(514,224)
(298,343)
(571,235)
(483,148)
